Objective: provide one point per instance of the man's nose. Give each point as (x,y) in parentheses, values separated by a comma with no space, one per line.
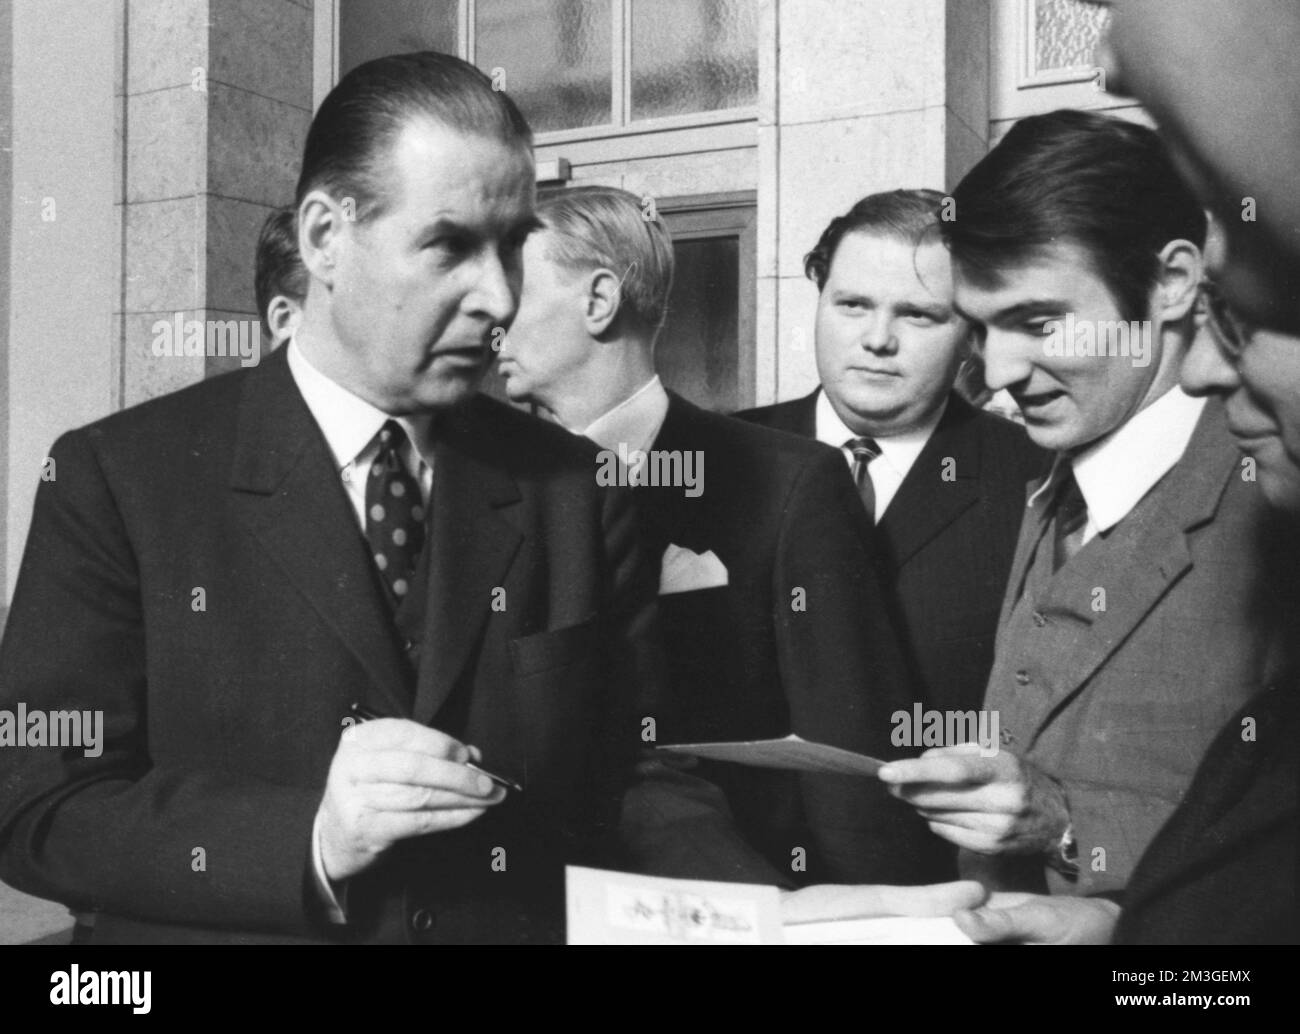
(878,333)
(1005,362)
(1206,370)
(494,294)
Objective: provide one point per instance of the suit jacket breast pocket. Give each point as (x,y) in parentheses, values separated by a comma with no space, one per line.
(544,651)
(556,691)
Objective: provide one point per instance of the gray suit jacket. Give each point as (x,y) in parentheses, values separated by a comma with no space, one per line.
(1120,701)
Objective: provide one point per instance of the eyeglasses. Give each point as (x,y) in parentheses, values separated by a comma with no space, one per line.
(1230,331)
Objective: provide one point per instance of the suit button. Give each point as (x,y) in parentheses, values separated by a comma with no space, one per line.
(1022,677)
(1039,620)
(421,920)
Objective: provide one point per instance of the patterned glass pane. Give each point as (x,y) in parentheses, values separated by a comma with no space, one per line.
(1066,33)
(372,28)
(555,56)
(693,55)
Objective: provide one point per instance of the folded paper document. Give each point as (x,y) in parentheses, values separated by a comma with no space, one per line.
(607,907)
(792,752)
(620,908)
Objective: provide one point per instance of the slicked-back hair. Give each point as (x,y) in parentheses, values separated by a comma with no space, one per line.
(907,215)
(358,122)
(278,268)
(606,228)
(1079,178)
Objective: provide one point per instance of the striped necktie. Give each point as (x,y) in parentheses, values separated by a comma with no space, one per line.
(864,451)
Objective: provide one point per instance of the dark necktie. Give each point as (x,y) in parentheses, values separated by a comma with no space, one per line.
(864,451)
(394,513)
(1071,517)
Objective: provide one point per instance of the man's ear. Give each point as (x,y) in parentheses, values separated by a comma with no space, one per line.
(320,234)
(1178,283)
(604,296)
(282,318)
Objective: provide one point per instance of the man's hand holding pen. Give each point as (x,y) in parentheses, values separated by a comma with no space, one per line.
(392,779)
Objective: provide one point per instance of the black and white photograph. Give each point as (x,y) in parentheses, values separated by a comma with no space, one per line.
(683,473)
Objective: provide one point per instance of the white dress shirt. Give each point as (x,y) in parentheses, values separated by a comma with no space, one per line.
(635,422)
(1116,472)
(898,453)
(351,427)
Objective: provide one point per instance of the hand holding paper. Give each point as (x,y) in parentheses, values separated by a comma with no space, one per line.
(992,805)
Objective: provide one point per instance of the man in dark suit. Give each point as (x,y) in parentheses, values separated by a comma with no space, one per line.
(944,482)
(221,572)
(1143,607)
(773,614)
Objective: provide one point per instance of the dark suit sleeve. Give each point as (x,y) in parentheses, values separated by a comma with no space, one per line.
(674,823)
(845,676)
(122,831)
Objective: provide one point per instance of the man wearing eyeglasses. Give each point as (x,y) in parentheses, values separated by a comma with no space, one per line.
(1138,616)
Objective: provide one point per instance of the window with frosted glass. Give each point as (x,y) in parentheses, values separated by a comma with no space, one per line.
(556,56)
(369,29)
(693,55)
(1066,33)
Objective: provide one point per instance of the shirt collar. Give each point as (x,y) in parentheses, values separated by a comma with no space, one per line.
(1115,473)
(900,451)
(634,422)
(348,422)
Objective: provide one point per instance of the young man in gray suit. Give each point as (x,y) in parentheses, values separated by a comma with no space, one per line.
(1139,615)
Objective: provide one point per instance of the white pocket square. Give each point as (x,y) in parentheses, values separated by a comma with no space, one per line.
(683,570)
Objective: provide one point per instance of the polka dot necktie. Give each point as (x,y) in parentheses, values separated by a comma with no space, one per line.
(394,513)
(864,451)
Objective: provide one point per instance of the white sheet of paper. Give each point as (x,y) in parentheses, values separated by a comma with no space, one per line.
(607,907)
(792,752)
(884,930)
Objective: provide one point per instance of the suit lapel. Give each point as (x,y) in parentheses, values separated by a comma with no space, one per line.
(1032,527)
(925,503)
(667,513)
(1154,552)
(288,495)
(474,538)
